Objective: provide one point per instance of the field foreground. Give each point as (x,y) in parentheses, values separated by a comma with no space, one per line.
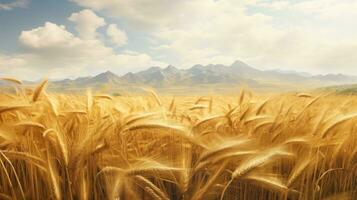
(289,146)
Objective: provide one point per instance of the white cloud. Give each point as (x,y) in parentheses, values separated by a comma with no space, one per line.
(301,35)
(157,13)
(87,22)
(52,51)
(49,35)
(276,5)
(11,61)
(315,36)
(143,12)
(116,35)
(321,9)
(13,4)
(55,42)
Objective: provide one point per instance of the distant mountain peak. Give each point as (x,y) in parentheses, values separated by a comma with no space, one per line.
(129,74)
(196,67)
(106,77)
(170,67)
(171,70)
(239,63)
(236,73)
(153,69)
(108,73)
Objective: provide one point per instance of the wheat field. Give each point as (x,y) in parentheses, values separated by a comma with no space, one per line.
(244,146)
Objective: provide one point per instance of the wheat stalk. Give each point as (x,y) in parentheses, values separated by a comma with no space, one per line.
(38,90)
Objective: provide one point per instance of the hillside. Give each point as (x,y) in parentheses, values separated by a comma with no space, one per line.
(200,78)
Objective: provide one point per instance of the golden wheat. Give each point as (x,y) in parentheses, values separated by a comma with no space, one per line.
(95,146)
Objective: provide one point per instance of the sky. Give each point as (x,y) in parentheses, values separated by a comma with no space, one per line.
(72,38)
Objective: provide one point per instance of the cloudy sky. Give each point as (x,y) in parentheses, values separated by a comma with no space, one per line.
(71,38)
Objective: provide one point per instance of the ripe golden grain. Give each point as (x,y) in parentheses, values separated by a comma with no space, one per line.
(38,90)
(246,146)
(12,80)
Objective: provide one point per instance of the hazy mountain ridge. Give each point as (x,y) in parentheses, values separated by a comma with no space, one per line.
(215,75)
(212,74)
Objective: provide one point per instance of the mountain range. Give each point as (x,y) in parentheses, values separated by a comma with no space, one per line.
(200,77)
